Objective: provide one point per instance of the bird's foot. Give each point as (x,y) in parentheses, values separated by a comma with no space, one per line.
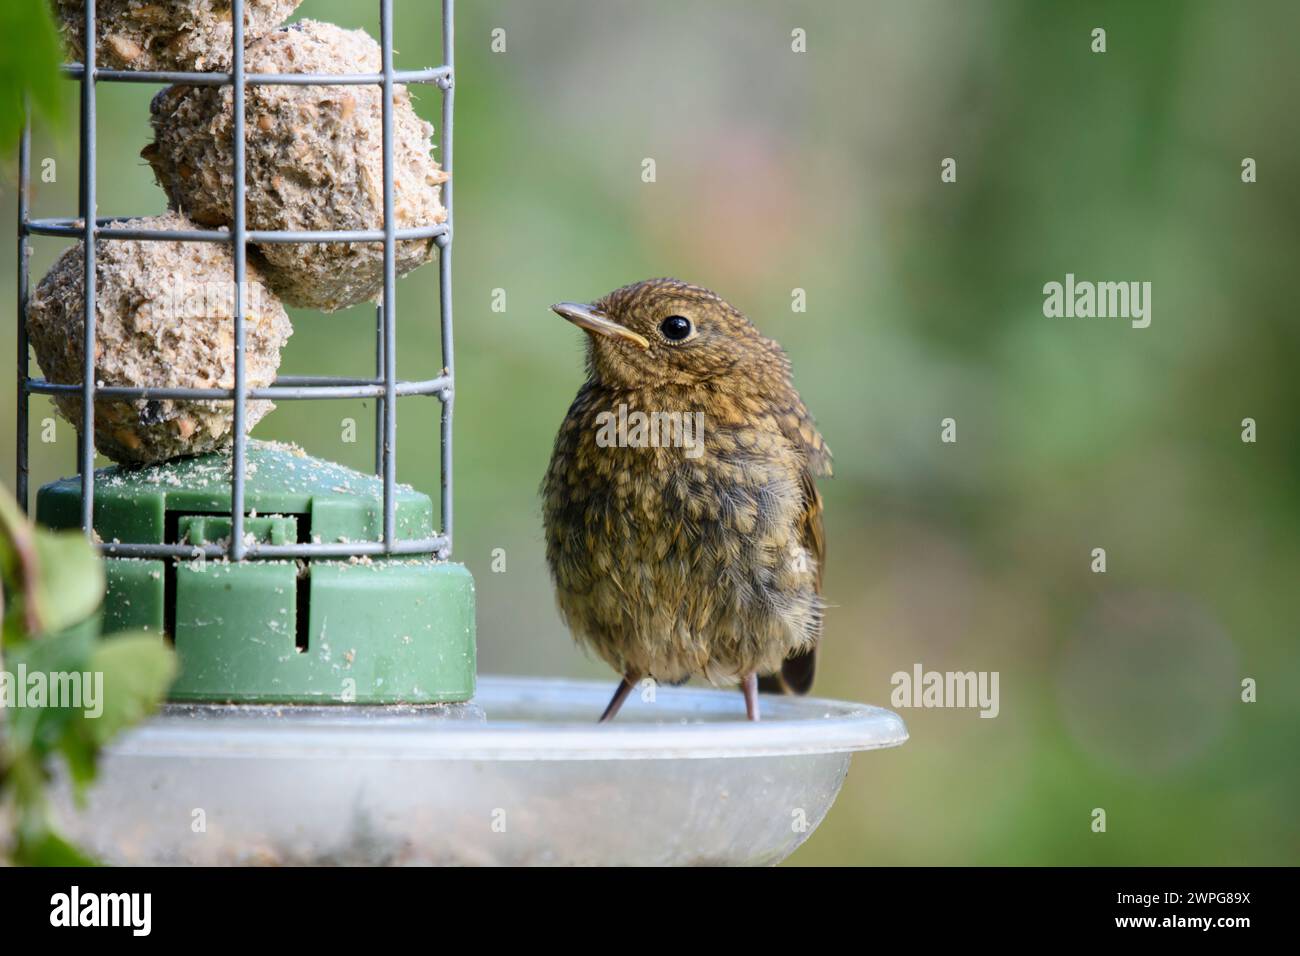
(749,684)
(620,695)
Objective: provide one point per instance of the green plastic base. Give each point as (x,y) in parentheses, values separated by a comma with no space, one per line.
(378,633)
(362,631)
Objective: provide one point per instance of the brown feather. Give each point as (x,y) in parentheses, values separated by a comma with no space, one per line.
(799,669)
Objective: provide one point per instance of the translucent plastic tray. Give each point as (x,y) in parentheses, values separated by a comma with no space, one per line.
(523,775)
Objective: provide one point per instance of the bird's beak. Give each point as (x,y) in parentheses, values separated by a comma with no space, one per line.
(585,317)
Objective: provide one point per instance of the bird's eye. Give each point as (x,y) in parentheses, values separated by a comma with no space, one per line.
(675,328)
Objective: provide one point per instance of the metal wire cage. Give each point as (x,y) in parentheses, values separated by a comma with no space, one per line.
(385,387)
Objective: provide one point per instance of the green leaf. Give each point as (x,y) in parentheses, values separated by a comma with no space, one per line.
(41,728)
(138,668)
(71,584)
(47,848)
(35,842)
(30,54)
(16,541)
(13,528)
(56,582)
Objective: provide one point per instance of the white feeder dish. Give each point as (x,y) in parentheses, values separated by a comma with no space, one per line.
(522,775)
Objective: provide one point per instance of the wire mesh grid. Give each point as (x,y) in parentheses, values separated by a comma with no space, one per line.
(385,387)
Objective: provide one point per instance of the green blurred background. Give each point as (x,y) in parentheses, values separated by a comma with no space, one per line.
(779,170)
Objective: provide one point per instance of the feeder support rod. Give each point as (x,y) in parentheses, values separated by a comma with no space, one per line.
(24,211)
(240,241)
(444,266)
(86,444)
(390,285)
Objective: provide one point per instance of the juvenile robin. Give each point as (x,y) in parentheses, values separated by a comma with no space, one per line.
(683,522)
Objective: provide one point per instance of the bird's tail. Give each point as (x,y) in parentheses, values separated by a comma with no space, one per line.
(795,676)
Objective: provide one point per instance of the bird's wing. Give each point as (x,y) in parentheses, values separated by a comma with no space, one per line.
(799,428)
(796,676)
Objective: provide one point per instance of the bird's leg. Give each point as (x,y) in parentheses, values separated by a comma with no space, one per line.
(620,695)
(749,684)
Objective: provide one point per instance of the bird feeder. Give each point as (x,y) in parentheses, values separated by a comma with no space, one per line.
(326,706)
(279,577)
